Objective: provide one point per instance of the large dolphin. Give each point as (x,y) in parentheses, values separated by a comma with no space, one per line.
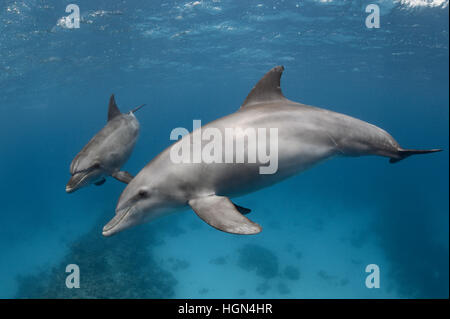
(307,135)
(107,151)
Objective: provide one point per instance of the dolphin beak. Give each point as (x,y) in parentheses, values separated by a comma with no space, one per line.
(113,226)
(69,189)
(72,184)
(79,180)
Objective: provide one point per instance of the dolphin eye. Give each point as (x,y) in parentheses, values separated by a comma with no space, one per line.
(143,193)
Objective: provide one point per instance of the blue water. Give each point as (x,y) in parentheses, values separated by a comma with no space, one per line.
(198,60)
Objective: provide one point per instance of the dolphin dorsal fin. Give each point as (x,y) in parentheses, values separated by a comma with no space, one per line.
(267,89)
(113,110)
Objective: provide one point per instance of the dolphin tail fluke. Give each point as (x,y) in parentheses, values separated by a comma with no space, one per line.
(137,108)
(402,154)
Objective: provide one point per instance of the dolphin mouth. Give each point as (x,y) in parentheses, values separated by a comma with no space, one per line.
(109,228)
(69,189)
(72,185)
(75,182)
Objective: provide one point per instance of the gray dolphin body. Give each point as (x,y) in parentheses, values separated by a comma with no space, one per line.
(106,152)
(306,136)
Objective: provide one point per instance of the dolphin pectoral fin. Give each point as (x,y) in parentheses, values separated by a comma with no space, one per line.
(123,176)
(100,182)
(222,214)
(242,210)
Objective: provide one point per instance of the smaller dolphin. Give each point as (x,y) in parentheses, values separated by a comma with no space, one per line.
(107,151)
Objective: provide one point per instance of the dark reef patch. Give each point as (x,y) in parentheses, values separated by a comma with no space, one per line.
(218,261)
(121,266)
(331,279)
(263,288)
(324,275)
(357,238)
(178,264)
(406,231)
(344,282)
(298,255)
(241,292)
(260,259)
(283,289)
(203,291)
(291,273)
